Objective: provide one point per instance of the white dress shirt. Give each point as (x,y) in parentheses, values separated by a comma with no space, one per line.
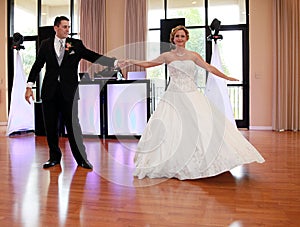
(57,45)
(56,48)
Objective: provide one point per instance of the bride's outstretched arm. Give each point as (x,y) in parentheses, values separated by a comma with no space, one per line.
(147,64)
(218,73)
(199,61)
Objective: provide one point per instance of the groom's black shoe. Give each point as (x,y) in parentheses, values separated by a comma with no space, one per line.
(86,164)
(50,163)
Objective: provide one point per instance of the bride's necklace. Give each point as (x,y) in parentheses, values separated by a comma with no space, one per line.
(180,54)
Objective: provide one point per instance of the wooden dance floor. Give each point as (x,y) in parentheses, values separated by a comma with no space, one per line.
(265,194)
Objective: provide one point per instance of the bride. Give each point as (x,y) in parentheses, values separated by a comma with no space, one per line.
(187,137)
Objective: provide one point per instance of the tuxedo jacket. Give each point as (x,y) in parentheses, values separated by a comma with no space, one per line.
(67,72)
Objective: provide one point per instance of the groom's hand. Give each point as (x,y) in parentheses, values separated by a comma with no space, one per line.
(121,63)
(28,94)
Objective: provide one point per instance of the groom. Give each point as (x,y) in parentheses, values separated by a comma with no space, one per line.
(59,90)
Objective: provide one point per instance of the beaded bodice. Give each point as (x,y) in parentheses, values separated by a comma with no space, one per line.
(182,74)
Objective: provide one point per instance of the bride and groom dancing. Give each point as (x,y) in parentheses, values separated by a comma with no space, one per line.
(185,138)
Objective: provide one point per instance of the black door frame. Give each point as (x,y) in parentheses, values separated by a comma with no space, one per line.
(244,122)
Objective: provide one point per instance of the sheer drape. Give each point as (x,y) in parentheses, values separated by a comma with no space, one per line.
(93,31)
(287,65)
(135,31)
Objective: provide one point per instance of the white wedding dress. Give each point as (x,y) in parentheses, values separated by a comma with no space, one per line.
(187,137)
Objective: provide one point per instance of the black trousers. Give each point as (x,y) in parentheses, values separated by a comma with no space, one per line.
(69,111)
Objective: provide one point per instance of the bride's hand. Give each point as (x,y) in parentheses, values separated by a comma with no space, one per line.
(128,61)
(232,79)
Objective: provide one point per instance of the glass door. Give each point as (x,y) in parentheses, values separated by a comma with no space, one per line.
(233,49)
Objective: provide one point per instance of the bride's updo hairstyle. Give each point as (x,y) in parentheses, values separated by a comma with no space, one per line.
(176,29)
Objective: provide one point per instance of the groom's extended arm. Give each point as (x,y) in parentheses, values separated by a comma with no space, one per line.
(94,57)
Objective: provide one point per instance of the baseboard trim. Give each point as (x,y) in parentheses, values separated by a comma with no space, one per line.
(265,128)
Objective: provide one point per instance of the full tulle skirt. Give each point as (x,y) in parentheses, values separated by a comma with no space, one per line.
(188,138)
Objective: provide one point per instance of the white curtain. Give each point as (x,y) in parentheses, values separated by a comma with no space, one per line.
(21,113)
(216,88)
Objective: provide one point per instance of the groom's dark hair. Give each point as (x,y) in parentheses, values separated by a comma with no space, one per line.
(59,19)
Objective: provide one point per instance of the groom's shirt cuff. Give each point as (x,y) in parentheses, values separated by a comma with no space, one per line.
(115,63)
(29,84)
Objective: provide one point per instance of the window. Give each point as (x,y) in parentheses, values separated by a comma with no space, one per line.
(192,11)
(25,18)
(52,9)
(227,11)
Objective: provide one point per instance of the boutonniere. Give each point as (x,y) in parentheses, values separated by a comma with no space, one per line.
(69,48)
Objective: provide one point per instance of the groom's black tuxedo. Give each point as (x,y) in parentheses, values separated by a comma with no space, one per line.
(59,92)
(67,71)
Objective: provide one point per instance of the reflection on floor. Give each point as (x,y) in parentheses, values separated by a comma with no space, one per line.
(66,195)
